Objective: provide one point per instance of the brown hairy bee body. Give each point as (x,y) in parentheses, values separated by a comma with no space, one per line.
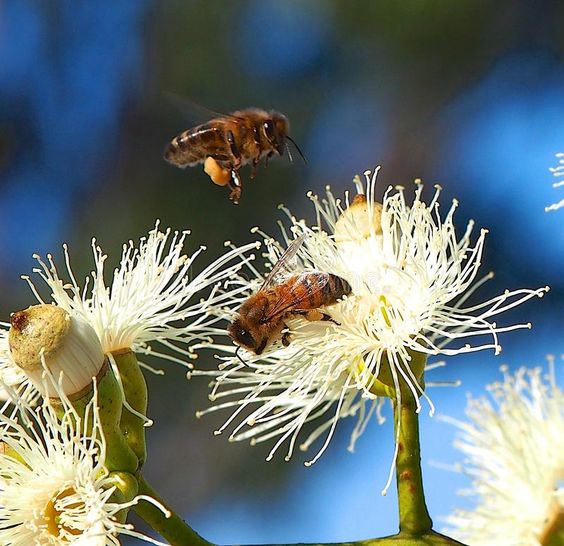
(260,319)
(232,140)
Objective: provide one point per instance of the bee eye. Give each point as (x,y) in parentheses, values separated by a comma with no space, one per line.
(269,130)
(246,338)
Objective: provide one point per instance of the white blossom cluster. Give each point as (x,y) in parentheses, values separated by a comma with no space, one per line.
(54,487)
(412,274)
(412,278)
(513,443)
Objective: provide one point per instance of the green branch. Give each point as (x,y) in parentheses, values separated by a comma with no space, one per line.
(135,391)
(172,528)
(430,539)
(414,521)
(414,517)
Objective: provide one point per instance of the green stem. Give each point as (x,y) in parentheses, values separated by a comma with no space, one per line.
(126,489)
(172,528)
(430,539)
(415,523)
(135,390)
(119,455)
(414,517)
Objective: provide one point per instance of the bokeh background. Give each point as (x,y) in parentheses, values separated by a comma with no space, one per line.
(467,94)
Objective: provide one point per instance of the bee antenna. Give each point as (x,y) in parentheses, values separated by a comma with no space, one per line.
(297,148)
(239,356)
(289,153)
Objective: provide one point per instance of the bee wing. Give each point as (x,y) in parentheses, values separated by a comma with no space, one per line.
(282,262)
(313,287)
(196,112)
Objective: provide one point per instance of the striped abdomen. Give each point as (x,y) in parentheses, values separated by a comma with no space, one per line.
(313,290)
(194,145)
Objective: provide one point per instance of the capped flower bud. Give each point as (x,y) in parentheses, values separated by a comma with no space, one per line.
(38,328)
(358,220)
(46,338)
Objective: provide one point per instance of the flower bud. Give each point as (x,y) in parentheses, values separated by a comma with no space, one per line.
(47,338)
(359,220)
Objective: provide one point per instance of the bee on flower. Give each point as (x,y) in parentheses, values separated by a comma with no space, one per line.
(513,443)
(410,275)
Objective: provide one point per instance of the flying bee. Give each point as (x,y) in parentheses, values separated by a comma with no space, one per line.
(229,141)
(261,317)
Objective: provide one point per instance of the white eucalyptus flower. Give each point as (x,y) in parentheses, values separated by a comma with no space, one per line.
(411,275)
(54,489)
(557,172)
(151,298)
(513,445)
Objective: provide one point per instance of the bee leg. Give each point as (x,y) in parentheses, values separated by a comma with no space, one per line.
(236,186)
(254,169)
(234,149)
(286,337)
(326,317)
(267,157)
